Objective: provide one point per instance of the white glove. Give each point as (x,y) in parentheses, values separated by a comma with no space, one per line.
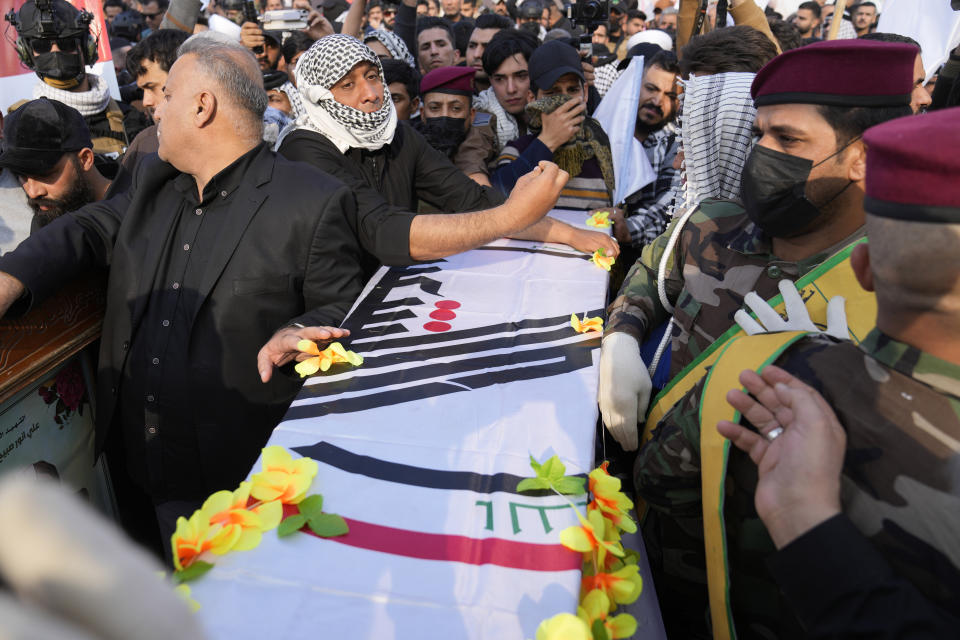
(798,318)
(625,387)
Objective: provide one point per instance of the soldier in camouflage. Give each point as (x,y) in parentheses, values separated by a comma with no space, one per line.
(803,201)
(825,544)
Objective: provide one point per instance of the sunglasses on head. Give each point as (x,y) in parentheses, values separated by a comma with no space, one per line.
(66,45)
(151,15)
(389,12)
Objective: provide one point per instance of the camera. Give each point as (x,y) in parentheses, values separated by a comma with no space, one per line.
(589,13)
(285,20)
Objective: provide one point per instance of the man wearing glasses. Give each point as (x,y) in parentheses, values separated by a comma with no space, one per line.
(54,40)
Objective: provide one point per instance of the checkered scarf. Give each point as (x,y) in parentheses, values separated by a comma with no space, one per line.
(717,131)
(393,43)
(322,66)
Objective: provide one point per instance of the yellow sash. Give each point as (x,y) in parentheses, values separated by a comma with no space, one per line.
(831,278)
(745,352)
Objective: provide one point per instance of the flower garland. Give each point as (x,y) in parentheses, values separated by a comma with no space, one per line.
(236,520)
(611,576)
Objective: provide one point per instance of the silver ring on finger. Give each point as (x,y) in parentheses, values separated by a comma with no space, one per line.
(774,433)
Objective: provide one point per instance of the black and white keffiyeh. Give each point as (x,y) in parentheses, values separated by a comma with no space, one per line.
(393,43)
(322,66)
(717,134)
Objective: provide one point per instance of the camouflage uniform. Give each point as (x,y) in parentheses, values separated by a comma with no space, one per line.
(901,410)
(724,257)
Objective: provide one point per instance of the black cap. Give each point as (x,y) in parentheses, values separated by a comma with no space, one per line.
(276,36)
(550,61)
(36,136)
(531,9)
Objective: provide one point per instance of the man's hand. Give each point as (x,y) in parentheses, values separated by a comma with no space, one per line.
(589,241)
(798,318)
(619,220)
(317,25)
(10,290)
(798,452)
(282,347)
(625,386)
(251,35)
(535,194)
(563,124)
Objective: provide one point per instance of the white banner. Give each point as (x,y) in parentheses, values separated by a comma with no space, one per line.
(470,367)
(932,23)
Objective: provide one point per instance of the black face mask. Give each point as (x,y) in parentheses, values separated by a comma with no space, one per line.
(59,66)
(773,190)
(444,134)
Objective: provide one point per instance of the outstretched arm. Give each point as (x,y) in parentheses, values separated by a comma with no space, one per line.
(433,237)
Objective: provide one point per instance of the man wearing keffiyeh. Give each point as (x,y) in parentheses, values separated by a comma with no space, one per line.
(350,130)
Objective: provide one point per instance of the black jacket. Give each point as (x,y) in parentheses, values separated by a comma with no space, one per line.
(290,255)
(389,182)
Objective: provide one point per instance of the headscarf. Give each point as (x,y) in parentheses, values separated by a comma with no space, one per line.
(717,130)
(393,43)
(323,65)
(88,103)
(590,141)
(507,129)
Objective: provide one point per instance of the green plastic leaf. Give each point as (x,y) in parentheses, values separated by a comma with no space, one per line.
(327,525)
(311,506)
(599,631)
(571,485)
(291,524)
(553,469)
(535,465)
(194,571)
(530,484)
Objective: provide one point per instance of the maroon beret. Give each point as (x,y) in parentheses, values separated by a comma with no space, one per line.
(456,80)
(842,73)
(912,168)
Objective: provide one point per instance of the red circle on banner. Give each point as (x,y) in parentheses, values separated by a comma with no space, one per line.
(447,304)
(437,326)
(443,314)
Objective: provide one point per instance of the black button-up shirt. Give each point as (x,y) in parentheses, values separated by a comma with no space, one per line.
(155,405)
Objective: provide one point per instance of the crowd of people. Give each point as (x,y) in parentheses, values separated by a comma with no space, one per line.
(251,179)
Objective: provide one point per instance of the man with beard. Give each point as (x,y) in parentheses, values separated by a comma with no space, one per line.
(644,214)
(351,132)
(447,110)
(58,45)
(561,132)
(47,147)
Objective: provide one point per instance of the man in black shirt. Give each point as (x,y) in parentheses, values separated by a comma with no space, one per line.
(222,257)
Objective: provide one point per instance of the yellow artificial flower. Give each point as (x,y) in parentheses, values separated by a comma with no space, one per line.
(229,509)
(596,606)
(600,220)
(332,355)
(608,498)
(592,535)
(283,478)
(563,626)
(585,325)
(195,536)
(622,586)
(602,260)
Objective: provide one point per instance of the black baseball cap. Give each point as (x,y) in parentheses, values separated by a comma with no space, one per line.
(550,61)
(37,134)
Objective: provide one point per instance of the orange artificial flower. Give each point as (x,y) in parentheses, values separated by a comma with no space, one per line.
(592,535)
(333,354)
(283,478)
(600,220)
(602,260)
(608,498)
(585,325)
(195,536)
(622,586)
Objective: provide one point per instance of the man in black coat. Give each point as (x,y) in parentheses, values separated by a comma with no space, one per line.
(222,257)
